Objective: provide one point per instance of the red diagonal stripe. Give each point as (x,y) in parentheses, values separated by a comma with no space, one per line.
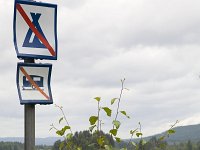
(33,83)
(32,27)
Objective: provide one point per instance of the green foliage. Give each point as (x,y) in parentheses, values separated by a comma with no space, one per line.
(62,131)
(107,110)
(113,100)
(86,140)
(138,134)
(61,119)
(113,132)
(62,145)
(171,131)
(118,139)
(124,113)
(69,136)
(116,124)
(95,139)
(132,132)
(92,127)
(98,98)
(93,120)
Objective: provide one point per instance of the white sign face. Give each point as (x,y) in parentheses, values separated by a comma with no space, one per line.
(33,82)
(35,30)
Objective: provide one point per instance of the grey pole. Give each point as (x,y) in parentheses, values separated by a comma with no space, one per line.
(29,121)
(29,132)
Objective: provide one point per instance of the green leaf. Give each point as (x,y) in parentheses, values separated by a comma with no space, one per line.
(59,132)
(138,134)
(93,120)
(124,113)
(61,146)
(171,131)
(98,98)
(62,131)
(100,141)
(92,127)
(123,149)
(116,124)
(107,110)
(133,131)
(60,120)
(113,132)
(118,139)
(113,100)
(162,138)
(69,136)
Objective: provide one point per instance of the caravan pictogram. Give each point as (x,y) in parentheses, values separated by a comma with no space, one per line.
(37,79)
(35,30)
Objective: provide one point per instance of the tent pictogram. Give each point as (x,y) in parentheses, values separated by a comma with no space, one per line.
(35,43)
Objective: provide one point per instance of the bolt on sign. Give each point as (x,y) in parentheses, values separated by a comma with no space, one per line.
(35,30)
(33,83)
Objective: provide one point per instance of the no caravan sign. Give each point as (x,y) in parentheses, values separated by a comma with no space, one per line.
(33,83)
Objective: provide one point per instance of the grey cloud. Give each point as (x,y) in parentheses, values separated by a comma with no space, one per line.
(150,23)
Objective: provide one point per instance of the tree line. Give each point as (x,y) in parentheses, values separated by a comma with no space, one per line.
(20,146)
(83,138)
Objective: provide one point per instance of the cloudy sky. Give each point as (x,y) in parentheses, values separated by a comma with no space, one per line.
(154,44)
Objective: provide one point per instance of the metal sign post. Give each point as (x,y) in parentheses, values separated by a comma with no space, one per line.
(29,121)
(29,124)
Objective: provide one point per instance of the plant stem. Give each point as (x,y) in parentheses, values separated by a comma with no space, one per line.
(140,129)
(100,124)
(130,140)
(98,116)
(119,99)
(64,117)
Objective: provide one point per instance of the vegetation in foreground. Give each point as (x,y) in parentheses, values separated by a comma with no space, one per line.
(96,139)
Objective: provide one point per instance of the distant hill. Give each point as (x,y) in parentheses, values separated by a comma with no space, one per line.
(183,133)
(38,141)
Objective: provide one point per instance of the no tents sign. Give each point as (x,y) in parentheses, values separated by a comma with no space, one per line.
(35,30)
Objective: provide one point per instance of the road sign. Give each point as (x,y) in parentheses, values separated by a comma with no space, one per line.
(35,30)
(33,83)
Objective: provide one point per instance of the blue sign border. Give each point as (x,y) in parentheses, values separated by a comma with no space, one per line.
(22,55)
(22,101)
